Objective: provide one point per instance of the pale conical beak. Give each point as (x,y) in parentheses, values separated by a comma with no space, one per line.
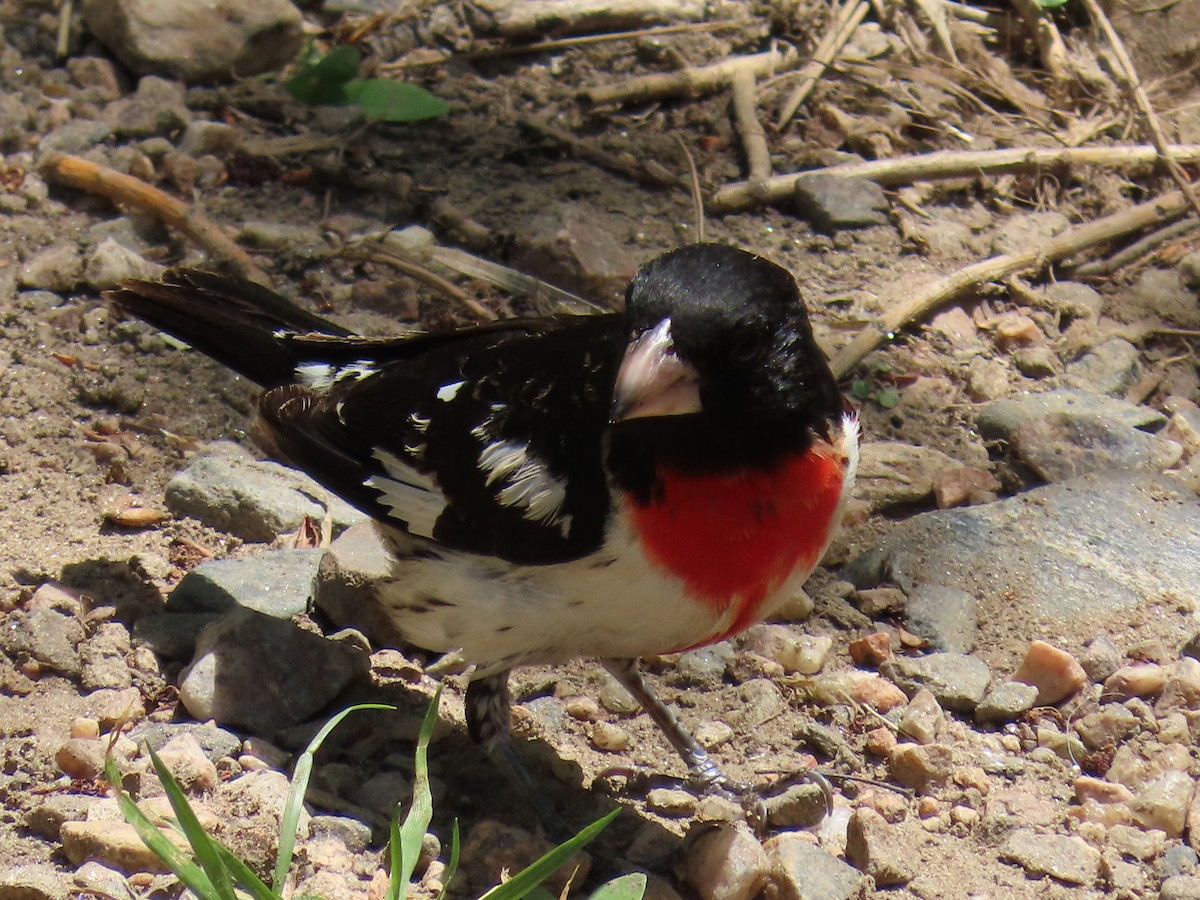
(653,381)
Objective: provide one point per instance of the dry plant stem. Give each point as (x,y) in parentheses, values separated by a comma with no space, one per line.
(1135,251)
(1051,49)
(523,18)
(588,39)
(848,18)
(62,44)
(589,152)
(130,191)
(689,83)
(381,254)
(1134,85)
(697,199)
(745,117)
(946,164)
(949,289)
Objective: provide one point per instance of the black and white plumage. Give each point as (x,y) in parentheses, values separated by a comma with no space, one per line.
(613,485)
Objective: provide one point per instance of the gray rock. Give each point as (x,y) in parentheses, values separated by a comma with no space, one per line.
(47,636)
(1036,362)
(172,635)
(103,657)
(101,881)
(355,835)
(47,817)
(579,248)
(1000,419)
(255,672)
(957,681)
(1179,859)
(1180,887)
(705,666)
(156,108)
(943,615)
(833,203)
(110,262)
(1100,658)
(77,136)
(257,501)
(882,850)
(799,806)
(1067,858)
(57,269)
(1006,701)
(217,743)
(1109,368)
(802,871)
(33,881)
(197,44)
(279,583)
(1079,549)
(1065,445)
(891,473)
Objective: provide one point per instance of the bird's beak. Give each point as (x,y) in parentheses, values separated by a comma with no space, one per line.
(653,381)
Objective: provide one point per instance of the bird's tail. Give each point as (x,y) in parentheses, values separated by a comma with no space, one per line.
(246,327)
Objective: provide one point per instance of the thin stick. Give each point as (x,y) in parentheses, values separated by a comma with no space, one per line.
(691,82)
(62,44)
(848,18)
(80,173)
(754,137)
(946,164)
(376,251)
(697,199)
(1134,85)
(945,291)
(1136,250)
(590,152)
(1051,49)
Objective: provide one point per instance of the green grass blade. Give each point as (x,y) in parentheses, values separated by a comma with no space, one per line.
(383,100)
(241,873)
(541,869)
(626,887)
(152,836)
(290,820)
(323,83)
(452,865)
(406,839)
(397,887)
(202,845)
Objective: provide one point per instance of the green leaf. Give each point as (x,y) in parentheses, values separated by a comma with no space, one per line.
(888,397)
(394,101)
(290,819)
(406,838)
(324,83)
(452,865)
(1051,4)
(152,836)
(538,871)
(860,389)
(627,887)
(202,845)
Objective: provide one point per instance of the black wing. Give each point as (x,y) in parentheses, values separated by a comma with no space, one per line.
(486,439)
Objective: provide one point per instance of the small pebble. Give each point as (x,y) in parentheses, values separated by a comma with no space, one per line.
(616,699)
(880,741)
(671,802)
(922,718)
(609,737)
(1142,680)
(1100,659)
(872,649)
(727,863)
(1055,673)
(585,709)
(712,735)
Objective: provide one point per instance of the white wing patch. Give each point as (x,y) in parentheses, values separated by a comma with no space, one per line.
(320,377)
(411,496)
(526,481)
(448,392)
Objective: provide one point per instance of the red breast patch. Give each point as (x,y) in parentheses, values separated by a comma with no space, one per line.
(737,537)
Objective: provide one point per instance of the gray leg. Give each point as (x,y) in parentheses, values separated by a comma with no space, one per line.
(488,709)
(703,772)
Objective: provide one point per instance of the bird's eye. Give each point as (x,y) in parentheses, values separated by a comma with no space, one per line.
(747,347)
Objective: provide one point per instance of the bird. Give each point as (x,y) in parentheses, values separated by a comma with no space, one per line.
(614,486)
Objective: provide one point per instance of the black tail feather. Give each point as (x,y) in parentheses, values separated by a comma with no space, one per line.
(236,322)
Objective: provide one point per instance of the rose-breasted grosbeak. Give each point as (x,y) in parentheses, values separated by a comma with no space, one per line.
(611,486)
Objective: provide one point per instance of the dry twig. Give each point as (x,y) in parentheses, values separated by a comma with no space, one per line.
(691,82)
(946,164)
(622,164)
(945,291)
(848,18)
(1135,251)
(1134,85)
(754,138)
(1051,49)
(125,189)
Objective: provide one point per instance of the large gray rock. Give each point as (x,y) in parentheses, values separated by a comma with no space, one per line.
(197,42)
(1001,419)
(1081,548)
(279,583)
(255,500)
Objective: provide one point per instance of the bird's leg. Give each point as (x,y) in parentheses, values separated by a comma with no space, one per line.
(488,710)
(703,773)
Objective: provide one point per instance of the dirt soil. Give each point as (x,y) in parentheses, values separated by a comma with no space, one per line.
(78,382)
